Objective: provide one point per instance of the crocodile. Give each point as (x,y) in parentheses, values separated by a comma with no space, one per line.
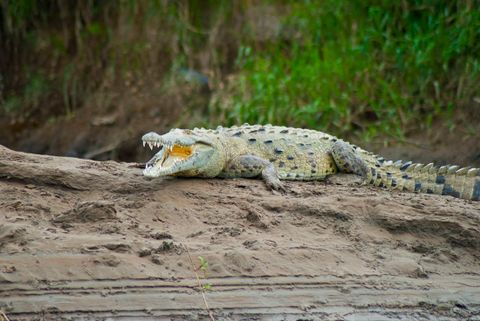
(278,153)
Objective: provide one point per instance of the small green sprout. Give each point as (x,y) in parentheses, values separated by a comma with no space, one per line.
(203,264)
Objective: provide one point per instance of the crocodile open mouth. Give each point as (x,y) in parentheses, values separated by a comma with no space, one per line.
(180,154)
(168,157)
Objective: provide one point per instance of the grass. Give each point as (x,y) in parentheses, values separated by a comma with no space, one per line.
(373,68)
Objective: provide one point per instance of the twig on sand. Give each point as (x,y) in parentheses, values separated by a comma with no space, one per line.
(4,316)
(202,289)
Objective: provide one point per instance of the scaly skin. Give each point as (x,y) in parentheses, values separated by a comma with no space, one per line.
(283,153)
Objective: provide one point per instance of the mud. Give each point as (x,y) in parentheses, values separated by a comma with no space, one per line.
(88,240)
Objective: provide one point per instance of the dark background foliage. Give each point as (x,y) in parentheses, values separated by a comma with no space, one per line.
(86,78)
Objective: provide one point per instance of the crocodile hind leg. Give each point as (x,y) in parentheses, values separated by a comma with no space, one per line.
(348,160)
(252,166)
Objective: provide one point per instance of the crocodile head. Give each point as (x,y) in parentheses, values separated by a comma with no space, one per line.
(183,152)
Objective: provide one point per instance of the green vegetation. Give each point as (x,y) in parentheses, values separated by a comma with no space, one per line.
(373,67)
(204,268)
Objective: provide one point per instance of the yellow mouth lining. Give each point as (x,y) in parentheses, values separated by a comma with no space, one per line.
(177,152)
(180,151)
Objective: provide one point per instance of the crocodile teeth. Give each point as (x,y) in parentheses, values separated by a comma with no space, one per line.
(144,143)
(150,145)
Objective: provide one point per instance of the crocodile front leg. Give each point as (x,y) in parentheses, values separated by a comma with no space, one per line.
(253,166)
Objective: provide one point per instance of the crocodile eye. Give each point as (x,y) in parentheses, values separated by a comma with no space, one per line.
(188,131)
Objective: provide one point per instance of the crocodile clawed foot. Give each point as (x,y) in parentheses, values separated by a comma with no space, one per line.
(276,186)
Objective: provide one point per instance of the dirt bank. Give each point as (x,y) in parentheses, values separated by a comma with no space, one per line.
(88,240)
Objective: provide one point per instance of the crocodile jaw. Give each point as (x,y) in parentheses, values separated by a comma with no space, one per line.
(179,155)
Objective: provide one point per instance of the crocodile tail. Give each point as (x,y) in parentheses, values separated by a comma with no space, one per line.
(445,180)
